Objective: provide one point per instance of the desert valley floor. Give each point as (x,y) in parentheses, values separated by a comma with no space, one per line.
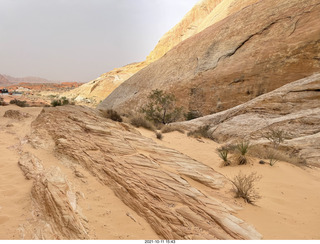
(288,208)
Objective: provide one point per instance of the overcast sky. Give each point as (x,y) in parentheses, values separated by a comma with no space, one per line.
(78,40)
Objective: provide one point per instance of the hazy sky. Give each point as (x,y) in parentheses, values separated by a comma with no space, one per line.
(78,40)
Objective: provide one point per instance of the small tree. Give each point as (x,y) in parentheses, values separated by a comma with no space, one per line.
(276,136)
(161,108)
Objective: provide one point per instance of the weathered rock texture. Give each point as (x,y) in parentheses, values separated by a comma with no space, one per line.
(251,52)
(15,114)
(293,108)
(55,210)
(202,15)
(149,178)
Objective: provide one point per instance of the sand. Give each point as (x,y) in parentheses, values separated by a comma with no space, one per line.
(289,208)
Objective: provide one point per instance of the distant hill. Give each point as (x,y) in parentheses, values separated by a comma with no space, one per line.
(7,79)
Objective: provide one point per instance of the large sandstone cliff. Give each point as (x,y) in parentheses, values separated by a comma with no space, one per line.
(202,15)
(255,50)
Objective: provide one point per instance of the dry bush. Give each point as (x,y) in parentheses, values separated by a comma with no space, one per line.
(244,187)
(276,136)
(264,152)
(202,131)
(139,121)
(171,128)
(159,135)
(111,114)
(19,103)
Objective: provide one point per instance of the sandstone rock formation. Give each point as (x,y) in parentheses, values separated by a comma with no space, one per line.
(152,180)
(202,15)
(253,51)
(55,206)
(293,108)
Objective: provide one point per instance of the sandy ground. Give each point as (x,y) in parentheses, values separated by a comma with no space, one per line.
(109,218)
(289,207)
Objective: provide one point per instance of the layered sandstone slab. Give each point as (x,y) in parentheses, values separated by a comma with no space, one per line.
(293,108)
(251,52)
(152,180)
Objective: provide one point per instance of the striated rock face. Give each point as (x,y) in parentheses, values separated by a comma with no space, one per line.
(202,15)
(55,207)
(294,108)
(152,180)
(251,52)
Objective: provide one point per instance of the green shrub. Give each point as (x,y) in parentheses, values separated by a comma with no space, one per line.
(19,103)
(223,154)
(139,121)
(111,114)
(242,149)
(244,187)
(161,108)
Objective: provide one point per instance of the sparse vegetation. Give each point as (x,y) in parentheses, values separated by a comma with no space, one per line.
(159,135)
(242,149)
(202,131)
(276,136)
(19,103)
(223,154)
(161,108)
(60,102)
(2,103)
(171,128)
(140,121)
(244,187)
(272,156)
(192,115)
(111,114)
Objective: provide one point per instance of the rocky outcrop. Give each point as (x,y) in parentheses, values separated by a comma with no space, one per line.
(202,15)
(293,108)
(55,211)
(152,180)
(251,52)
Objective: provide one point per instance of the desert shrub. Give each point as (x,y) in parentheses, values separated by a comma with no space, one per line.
(161,108)
(2,103)
(223,154)
(171,128)
(19,103)
(192,115)
(60,102)
(140,121)
(275,136)
(111,114)
(242,149)
(202,131)
(244,187)
(159,135)
(272,157)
